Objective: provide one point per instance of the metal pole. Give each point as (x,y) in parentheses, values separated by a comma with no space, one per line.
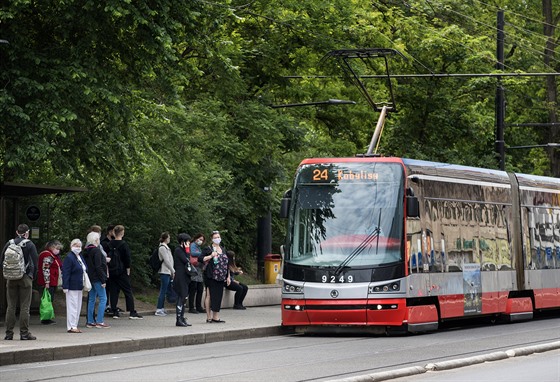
(500,99)
(376,134)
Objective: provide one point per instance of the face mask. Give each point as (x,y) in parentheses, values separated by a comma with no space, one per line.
(199,242)
(76,250)
(217,241)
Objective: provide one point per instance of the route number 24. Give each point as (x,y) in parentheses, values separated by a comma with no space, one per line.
(319,175)
(332,279)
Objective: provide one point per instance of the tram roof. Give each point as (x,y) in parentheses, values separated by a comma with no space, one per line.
(477,173)
(422,167)
(415,166)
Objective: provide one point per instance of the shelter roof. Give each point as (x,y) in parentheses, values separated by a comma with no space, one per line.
(16,190)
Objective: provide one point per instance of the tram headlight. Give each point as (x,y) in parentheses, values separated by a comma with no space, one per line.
(391,287)
(297,308)
(289,288)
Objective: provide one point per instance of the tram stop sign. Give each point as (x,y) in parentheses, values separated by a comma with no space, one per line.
(33,213)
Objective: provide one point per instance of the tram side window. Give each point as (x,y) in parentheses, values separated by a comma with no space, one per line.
(556,235)
(542,238)
(437,238)
(492,237)
(414,238)
(469,234)
(503,238)
(433,256)
(451,232)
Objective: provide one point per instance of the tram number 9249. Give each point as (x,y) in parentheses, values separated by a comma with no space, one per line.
(334,279)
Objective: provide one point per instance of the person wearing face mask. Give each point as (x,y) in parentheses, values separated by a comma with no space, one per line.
(196,287)
(73,270)
(49,270)
(182,280)
(216,275)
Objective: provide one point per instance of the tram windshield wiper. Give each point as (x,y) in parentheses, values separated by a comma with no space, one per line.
(359,249)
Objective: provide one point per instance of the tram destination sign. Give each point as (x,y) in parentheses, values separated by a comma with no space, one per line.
(333,174)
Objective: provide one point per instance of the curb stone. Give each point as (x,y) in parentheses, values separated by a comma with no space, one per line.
(132,345)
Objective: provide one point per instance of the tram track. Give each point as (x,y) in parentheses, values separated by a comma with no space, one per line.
(298,358)
(426,361)
(421,361)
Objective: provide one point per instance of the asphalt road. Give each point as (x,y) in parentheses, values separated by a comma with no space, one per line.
(300,358)
(541,367)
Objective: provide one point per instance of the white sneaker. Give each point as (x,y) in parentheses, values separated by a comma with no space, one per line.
(161,313)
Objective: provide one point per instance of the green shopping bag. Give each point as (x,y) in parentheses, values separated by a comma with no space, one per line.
(46,311)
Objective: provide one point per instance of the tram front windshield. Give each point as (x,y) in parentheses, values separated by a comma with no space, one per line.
(347,214)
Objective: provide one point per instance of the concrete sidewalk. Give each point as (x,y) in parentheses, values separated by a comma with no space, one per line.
(126,335)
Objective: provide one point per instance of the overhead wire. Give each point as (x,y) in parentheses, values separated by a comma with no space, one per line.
(527,45)
(517,40)
(406,53)
(529,32)
(539,36)
(543,47)
(516,14)
(494,37)
(523,43)
(493,28)
(492,60)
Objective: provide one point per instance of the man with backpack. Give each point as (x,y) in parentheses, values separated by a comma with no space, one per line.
(19,265)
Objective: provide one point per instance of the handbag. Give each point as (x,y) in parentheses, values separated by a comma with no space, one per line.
(46,311)
(59,283)
(191,270)
(87,283)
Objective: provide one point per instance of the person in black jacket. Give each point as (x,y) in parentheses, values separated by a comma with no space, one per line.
(97,272)
(239,288)
(181,263)
(119,274)
(73,270)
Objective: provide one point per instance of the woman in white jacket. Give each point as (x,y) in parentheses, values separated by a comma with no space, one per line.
(166,271)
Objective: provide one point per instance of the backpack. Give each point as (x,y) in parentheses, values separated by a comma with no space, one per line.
(14,262)
(115,265)
(154,260)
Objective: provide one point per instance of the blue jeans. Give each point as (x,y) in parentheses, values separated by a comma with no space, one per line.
(96,290)
(163,289)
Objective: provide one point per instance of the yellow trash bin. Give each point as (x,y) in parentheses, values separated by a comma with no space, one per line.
(271,268)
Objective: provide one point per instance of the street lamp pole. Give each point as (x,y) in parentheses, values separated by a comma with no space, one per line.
(500,103)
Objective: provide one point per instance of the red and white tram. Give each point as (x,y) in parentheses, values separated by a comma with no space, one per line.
(398,244)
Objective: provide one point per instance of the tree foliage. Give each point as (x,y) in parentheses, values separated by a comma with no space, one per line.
(162,109)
